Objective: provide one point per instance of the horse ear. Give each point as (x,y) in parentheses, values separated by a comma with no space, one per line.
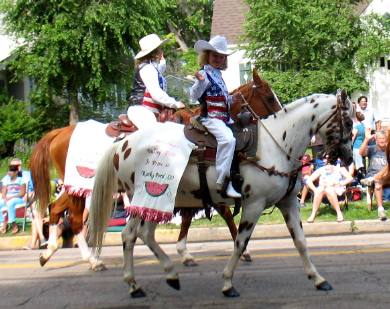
(343,98)
(256,78)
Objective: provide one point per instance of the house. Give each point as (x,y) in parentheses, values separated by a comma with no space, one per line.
(20,90)
(228,19)
(378,76)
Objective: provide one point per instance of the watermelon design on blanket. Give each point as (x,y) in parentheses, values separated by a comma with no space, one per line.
(155,189)
(85,172)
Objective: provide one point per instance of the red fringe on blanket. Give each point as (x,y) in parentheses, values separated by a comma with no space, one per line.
(149,214)
(80,192)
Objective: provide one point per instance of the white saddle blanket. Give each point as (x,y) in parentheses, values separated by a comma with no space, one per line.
(161,154)
(87,145)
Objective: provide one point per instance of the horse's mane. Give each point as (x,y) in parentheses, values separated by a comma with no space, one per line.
(300,101)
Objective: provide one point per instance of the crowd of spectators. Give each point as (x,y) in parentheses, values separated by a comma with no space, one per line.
(324,181)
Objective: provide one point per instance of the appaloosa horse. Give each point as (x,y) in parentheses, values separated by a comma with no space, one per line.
(53,148)
(271,180)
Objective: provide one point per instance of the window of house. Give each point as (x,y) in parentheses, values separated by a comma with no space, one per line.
(382,62)
(245,72)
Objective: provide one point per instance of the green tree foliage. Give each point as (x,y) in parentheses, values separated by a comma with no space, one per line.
(187,21)
(16,123)
(77,49)
(313,46)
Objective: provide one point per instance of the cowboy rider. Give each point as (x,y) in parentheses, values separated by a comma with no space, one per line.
(211,91)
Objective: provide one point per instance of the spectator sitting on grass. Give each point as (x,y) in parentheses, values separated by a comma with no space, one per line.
(307,169)
(332,182)
(13,191)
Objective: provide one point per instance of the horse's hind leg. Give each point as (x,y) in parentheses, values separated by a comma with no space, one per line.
(146,233)
(129,237)
(56,211)
(226,214)
(181,245)
(290,211)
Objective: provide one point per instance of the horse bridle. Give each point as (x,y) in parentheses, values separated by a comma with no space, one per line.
(337,113)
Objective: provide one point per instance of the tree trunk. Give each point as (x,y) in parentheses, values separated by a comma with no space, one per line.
(179,39)
(74,108)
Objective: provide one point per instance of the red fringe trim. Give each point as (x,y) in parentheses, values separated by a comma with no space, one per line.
(149,214)
(80,192)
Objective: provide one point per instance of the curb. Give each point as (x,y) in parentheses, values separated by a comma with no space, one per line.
(202,234)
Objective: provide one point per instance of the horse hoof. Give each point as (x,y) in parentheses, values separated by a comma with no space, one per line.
(232,292)
(245,257)
(99,267)
(42,260)
(174,283)
(138,293)
(324,286)
(190,263)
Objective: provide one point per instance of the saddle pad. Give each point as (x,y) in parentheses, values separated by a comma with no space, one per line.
(161,153)
(87,145)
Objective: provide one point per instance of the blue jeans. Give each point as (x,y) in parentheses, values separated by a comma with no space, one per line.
(10,208)
(386,194)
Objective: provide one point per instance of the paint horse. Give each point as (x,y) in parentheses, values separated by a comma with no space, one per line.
(53,148)
(272,180)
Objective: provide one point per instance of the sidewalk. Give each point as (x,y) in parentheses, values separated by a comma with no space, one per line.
(222,233)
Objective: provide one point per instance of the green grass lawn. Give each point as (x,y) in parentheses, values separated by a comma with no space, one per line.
(356,211)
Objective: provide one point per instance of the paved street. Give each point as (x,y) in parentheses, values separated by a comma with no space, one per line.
(356,265)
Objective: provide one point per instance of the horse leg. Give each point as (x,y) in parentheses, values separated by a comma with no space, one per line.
(76,221)
(226,214)
(250,215)
(290,211)
(129,237)
(56,211)
(181,245)
(146,233)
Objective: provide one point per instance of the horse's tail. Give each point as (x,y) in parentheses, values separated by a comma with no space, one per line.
(40,162)
(102,199)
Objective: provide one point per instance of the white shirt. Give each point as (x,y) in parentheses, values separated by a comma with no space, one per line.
(149,75)
(369,120)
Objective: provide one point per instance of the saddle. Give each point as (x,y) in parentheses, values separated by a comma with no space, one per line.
(245,132)
(121,127)
(124,126)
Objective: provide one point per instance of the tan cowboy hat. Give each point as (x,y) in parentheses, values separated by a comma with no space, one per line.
(217,44)
(148,44)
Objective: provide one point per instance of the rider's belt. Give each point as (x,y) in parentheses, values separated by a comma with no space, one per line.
(148,101)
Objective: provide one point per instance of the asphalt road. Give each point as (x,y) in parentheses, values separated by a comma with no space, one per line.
(357,266)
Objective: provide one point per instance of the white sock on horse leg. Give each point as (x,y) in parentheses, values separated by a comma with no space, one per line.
(83,246)
(53,235)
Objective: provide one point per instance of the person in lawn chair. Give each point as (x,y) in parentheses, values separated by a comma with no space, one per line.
(211,92)
(12,194)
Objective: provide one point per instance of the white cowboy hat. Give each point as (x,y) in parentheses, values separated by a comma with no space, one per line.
(217,44)
(148,44)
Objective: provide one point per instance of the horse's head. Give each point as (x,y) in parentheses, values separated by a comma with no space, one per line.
(336,131)
(259,96)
